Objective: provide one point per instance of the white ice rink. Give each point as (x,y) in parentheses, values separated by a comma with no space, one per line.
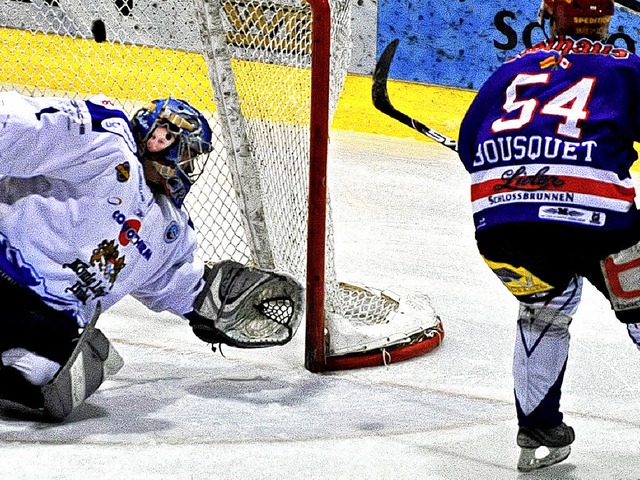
(178,411)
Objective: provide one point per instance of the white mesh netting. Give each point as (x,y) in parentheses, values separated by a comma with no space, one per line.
(254,58)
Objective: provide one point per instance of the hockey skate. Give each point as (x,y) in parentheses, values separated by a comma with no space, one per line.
(556,440)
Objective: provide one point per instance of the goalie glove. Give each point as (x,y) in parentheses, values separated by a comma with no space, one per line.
(247,307)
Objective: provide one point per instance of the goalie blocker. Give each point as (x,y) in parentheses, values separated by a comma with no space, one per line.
(247,307)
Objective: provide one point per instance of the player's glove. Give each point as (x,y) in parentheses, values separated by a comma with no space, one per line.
(247,307)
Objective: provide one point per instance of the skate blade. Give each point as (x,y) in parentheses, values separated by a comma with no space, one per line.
(529,462)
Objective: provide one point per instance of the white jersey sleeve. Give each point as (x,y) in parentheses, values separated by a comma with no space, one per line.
(176,284)
(55,131)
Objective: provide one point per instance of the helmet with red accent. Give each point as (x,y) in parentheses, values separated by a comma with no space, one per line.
(578,18)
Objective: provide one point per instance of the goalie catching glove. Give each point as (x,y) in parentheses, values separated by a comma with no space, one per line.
(247,307)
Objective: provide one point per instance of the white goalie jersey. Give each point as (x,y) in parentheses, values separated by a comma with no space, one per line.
(78,223)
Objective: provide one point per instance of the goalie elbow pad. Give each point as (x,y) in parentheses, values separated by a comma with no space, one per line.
(247,307)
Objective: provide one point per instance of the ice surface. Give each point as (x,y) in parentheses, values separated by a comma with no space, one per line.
(179,411)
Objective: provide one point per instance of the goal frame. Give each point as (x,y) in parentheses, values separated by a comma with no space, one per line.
(216,55)
(315,353)
(316,358)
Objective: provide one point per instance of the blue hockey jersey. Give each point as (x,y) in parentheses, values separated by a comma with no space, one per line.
(549,137)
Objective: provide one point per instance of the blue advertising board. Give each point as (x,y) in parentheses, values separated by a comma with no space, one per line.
(459,43)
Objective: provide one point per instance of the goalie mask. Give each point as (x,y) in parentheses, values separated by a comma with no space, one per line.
(577,18)
(176,139)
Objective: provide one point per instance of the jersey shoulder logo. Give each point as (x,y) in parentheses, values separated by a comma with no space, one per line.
(172,232)
(123,172)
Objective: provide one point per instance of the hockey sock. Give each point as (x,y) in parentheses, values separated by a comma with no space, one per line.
(36,369)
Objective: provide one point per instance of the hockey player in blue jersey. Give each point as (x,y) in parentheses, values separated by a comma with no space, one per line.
(91,210)
(549,142)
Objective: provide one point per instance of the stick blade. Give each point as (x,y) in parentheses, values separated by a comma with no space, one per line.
(380,74)
(381,101)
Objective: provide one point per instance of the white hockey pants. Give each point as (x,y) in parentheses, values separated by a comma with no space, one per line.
(540,356)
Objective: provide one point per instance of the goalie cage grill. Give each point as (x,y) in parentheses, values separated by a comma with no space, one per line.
(267,74)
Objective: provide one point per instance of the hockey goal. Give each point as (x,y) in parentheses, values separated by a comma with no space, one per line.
(268,75)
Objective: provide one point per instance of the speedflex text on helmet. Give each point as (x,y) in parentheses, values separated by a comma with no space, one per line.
(577,18)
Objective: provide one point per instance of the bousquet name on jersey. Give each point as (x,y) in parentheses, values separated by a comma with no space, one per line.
(541,138)
(533,148)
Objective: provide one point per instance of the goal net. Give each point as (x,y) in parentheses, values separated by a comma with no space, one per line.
(267,75)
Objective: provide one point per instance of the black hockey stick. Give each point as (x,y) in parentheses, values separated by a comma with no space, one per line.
(381,101)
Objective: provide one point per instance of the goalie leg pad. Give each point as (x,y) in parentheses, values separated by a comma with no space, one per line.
(247,307)
(91,361)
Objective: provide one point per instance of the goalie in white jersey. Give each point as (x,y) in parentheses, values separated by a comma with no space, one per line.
(91,210)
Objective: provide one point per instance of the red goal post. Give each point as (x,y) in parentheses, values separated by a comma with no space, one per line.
(267,74)
(318,358)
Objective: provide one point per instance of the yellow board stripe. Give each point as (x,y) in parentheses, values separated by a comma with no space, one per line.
(59,63)
(438,107)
